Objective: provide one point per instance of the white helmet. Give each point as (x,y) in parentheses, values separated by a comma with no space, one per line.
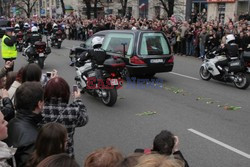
(34,29)
(17,26)
(230,38)
(97,41)
(26,25)
(55,25)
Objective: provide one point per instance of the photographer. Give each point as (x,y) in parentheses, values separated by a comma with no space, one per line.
(165,143)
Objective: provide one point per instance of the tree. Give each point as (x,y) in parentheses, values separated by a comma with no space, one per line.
(124,6)
(88,8)
(63,7)
(168,6)
(26,6)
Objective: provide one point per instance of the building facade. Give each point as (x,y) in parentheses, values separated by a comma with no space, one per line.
(223,10)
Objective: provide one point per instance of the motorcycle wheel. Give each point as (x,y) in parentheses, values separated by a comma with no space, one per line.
(125,74)
(205,74)
(41,62)
(241,80)
(111,97)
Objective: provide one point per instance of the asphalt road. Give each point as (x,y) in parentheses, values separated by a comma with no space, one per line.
(210,135)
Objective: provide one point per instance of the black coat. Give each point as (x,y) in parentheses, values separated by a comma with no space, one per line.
(34,38)
(22,134)
(8,109)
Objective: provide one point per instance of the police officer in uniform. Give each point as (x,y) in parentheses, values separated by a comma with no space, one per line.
(9,52)
(231,50)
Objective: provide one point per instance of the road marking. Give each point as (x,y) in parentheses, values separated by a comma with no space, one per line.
(185,76)
(220,143)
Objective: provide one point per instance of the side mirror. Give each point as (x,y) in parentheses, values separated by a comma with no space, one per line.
(83,45)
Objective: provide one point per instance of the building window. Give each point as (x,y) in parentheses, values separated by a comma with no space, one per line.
(120,12)
(221,9)
(109,1)
(157,12)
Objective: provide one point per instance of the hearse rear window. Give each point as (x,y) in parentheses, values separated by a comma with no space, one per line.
(113,43)
(153,44)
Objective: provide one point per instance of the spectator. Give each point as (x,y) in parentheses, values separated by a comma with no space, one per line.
(166,143)
(58,160)
(7,107)
(8,65)
(14,85)
(55,137)
(6,152)
(31,72)
(23,129)
(157,160)
(104,157)
(58,109)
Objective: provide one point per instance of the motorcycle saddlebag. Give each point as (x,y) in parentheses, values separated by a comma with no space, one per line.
(40,44)
(113,64)
(236,66)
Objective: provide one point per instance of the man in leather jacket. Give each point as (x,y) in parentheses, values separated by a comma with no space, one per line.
(23,129)
(230,49)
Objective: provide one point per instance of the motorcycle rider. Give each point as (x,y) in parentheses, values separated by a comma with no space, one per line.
(90,54)
(17,28)
(54,31)
(230,49)
(35,36)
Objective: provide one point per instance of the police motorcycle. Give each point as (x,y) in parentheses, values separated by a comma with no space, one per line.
(37,52)
(99,74)
(57,37)
(237,71)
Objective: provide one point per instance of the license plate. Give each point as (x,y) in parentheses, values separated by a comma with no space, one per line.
(114,82)
(41,54)
(59,40)
(156,61)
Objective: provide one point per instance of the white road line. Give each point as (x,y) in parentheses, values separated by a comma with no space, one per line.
(220,143)
(185,76)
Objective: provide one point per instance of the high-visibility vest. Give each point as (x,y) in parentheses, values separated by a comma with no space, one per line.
(8,52)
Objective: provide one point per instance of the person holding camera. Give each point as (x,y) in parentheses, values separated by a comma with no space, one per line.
(57,108)
(165,143)
(7,67)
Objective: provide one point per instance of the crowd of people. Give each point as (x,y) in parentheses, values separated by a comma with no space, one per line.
(38,120)
(191,38)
